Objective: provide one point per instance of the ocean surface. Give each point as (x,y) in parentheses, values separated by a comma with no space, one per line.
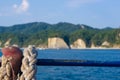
(79,73)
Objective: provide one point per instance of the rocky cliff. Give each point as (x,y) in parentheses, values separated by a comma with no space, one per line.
(116,46)
(57,43)
(92,45)
(7,43)
(78,44)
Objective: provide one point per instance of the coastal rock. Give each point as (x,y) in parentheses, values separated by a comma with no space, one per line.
(7,43)
(93,45)
(105,43)
(78,44)
(42,46)
(0,43)
(15,45)
(57,43)
(116,46)
(119,34)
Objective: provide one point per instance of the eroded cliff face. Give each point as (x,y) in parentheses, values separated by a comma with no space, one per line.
(92,45)
(7,43)
(57,43)
(0,43)
(106,43)
(78,44)
(116,46)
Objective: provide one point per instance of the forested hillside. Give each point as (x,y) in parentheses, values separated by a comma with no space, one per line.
(37,33)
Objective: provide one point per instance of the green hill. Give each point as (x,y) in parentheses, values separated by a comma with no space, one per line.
(37,33)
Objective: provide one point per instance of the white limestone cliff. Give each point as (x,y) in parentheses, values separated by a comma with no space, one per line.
(78,44)
(57,43)
(7,43)
(92,45)
(105,43)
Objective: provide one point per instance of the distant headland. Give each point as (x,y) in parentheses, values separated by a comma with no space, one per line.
(59,36)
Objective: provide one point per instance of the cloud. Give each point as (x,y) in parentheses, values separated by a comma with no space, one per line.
(78,3)
(23,7)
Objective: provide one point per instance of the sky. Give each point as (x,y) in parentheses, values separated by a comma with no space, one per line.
(95,13)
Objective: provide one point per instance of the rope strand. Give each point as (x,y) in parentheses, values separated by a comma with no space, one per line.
(6,69)
(29,64)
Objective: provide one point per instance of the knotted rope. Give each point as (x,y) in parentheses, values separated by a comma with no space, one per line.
(28,67)
(6,69)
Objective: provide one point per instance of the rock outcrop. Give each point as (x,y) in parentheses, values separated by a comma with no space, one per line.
(119,34)
(78,44)
(7,43)
(116,46)
(0,43)
(105,43)
(92,45)
(57,43)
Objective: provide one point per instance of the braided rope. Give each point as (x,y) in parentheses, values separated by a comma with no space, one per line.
(28,67)
(6,69)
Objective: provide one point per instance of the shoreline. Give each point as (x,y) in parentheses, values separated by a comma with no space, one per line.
(79,49)
(75,48)
(97,48)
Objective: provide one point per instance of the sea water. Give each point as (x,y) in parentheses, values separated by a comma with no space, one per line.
(79,73)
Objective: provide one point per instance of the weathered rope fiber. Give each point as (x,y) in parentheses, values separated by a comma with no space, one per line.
(28,67)
(6,69)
